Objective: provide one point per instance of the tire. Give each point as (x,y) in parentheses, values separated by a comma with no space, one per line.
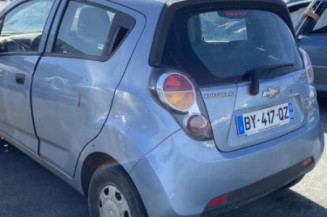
(294,182)
(113,194)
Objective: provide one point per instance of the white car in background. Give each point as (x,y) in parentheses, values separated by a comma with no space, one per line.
(3,3)
(292,1)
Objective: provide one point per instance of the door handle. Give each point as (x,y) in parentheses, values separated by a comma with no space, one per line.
(20,78)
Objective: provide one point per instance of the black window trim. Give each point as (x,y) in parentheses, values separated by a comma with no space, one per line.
(117,22)
(45,31)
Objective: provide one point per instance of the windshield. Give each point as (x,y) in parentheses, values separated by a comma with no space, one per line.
(222,46)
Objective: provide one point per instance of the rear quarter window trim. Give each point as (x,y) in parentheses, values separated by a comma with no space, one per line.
(170,10)
(116,24)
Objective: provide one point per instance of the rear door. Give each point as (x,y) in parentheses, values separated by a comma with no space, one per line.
(313,39)
(23,34)
(75,80)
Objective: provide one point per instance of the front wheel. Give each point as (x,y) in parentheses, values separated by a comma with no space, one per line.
(112,194)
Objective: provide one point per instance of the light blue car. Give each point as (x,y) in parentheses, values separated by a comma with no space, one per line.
(159,108)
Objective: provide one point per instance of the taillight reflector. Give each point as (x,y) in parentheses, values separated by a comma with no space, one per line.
(197,124)
(218,200)
(306,162)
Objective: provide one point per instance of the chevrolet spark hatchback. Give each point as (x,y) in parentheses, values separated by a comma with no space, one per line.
(159,108)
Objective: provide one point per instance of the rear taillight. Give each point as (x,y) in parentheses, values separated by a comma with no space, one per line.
(177,92)
(308,66)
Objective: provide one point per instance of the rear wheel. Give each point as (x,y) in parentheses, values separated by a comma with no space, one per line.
(112,194)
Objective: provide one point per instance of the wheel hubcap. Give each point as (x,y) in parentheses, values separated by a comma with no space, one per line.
(112,203)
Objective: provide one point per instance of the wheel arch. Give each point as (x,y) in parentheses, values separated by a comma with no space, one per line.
(93,162)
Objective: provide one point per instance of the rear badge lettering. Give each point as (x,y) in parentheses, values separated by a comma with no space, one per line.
(218,95)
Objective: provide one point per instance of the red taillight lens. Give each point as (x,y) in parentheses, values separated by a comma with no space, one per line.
(177,82)
(177,91)
(197,124)
(308,66)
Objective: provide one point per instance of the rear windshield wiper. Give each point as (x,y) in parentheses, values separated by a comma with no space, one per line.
(255,75)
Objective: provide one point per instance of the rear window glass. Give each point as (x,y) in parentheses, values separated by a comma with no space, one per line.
(223,46)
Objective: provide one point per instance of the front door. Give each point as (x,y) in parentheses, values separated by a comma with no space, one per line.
(21,43)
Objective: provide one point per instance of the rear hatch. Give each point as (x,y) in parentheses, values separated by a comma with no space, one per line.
(247,66)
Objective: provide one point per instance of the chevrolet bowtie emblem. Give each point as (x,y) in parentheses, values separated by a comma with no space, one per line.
(271,92)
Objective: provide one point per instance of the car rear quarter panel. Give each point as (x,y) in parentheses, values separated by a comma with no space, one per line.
(136,123)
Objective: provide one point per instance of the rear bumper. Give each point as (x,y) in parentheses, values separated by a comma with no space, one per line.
(259,189)
(181,176)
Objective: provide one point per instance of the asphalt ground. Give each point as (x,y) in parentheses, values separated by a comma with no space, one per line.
(29,190)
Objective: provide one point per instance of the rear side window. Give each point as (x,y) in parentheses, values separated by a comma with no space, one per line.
(84,30)
(223,46)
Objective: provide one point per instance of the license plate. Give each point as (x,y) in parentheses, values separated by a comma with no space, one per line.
(264,119)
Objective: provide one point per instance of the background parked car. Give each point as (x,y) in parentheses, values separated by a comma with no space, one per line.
(3,3)
(310,21)
(297,9)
